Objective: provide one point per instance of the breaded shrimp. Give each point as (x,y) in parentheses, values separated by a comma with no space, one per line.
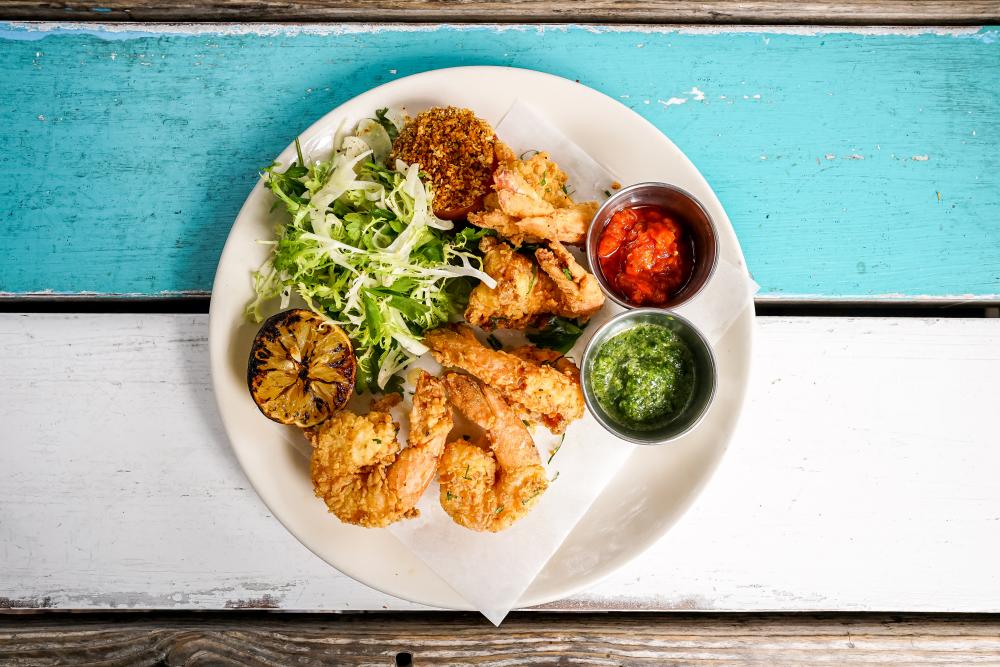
(566,225)
(526,291)
(530,203)
(579,293)
(536,390)
(358,470)
(489,486)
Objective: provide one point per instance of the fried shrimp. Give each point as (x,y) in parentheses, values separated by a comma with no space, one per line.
(537,390)
(526,290)
(531,203)
(489,485)
(358,470)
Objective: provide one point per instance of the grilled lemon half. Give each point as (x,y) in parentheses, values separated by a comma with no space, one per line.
(301,368)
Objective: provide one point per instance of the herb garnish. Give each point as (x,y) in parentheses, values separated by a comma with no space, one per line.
(494,342)
(555,451)
(558,333)
(534,275)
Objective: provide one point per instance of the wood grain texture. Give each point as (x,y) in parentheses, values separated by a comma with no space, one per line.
(897,12)
(862,477)
(524,639)
(854,165)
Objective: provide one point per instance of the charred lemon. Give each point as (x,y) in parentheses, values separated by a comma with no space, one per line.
(301,368)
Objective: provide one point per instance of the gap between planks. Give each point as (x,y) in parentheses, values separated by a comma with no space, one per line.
(752,12)
(766,307)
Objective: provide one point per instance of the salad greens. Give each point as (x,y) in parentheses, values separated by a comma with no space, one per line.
(363,247)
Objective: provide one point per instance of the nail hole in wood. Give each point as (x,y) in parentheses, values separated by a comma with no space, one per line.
(404,659)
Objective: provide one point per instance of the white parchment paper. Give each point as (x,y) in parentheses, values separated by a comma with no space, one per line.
(492,571)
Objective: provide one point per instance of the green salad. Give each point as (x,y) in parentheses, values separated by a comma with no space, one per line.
(362,246)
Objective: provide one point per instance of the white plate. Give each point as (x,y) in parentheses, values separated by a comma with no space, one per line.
(656,484)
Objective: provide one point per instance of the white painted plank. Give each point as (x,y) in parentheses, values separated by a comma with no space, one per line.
(863,477)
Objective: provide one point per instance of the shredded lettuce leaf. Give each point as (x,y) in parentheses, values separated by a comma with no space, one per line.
(363,247)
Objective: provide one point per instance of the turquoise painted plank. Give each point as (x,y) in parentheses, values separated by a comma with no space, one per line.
(853,165)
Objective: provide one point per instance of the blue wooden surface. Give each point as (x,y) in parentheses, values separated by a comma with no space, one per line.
(852,165)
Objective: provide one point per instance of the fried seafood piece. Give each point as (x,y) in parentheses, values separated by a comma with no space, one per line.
(526,290)
(358,470)
(566,225)
(530,203)
(553,358)
(537,390)
(489,484)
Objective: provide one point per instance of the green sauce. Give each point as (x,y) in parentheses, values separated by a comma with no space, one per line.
(644,376)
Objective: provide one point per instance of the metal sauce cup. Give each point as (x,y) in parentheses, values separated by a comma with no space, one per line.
(686,209)
(704,375)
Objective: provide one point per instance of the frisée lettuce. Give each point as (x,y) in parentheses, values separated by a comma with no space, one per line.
(363,247)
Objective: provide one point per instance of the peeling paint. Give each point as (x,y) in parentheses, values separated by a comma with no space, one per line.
(673,101)
(29,30)
(26,603)
(266,601)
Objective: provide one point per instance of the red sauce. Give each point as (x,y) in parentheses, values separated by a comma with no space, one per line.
(646,255)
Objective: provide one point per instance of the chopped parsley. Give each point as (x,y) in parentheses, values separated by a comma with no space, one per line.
(525,501)
(534,276)
(555,451)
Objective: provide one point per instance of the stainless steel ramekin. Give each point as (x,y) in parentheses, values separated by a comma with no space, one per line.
(687,210)
(705,375)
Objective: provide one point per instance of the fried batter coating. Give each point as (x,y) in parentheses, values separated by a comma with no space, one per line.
(358,470)
(489,486)
(526,290)
(538,391)
(531,203)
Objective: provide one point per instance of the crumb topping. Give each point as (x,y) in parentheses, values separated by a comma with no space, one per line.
(455,149)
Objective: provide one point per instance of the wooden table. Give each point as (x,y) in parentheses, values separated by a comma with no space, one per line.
(859,504)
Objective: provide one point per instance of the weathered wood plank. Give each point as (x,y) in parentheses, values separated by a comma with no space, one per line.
(897,12)
(862,477)
(854,165)
(523,639)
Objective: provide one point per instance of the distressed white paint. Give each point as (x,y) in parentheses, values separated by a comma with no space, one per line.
(863,476)
(128,30)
